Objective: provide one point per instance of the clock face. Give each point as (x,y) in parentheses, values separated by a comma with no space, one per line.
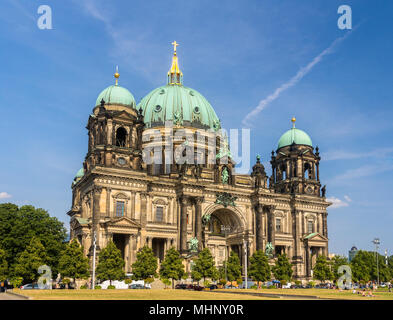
(121,161)
(309,189)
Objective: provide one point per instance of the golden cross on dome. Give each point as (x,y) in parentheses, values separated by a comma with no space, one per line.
(175,44)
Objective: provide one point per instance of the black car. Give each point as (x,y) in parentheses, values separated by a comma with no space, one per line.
(213,287)
(181,286)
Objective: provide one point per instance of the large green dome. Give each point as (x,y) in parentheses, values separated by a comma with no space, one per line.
(116,95)
(296,136)
(180,104)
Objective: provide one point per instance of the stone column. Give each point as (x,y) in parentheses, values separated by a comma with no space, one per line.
(271,232)
(198,220)
(132,205)
(143,209)
(127,254)
(259,227)
(183,223)
(108,203)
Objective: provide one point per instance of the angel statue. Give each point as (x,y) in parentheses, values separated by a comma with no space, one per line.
(269,249)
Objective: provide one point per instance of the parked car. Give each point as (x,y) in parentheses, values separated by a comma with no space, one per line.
(181,286)
(213,287)
(136,286)
(29,286)
(197,287)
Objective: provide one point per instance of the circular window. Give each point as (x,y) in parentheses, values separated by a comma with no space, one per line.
(191,93)
(196,110)
(162,91)
(157,108)
(121,161)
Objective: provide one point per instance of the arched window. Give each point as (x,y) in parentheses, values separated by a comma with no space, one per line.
(121,135)
(310,226)
(308,171)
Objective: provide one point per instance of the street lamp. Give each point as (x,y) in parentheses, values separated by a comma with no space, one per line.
(93,278)
(226,229)
(376,243)
(245,244)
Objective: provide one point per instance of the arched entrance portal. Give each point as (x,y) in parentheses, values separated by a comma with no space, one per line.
(224,233)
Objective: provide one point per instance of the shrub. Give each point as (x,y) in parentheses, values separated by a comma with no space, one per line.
(97,287)
(271,287)
(149,280)
(312,283)
(254,286)
(283,282)
(206,283)
(223,282)
(127,281)
(111,287)
(298,282)
(83,286)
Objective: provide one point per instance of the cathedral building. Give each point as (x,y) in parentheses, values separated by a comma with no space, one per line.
(120,196)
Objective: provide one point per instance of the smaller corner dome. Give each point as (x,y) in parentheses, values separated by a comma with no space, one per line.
(116,94)
(296,136)
(80,173)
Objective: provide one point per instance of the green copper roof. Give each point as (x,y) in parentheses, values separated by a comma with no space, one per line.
(310,235)
(296,136)
(182,105)
(80,173)
(116,95)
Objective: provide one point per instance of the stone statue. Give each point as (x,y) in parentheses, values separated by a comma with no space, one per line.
(225,175)
(323,191)
(177,119)
(193,245)
(206,219)
(269,249)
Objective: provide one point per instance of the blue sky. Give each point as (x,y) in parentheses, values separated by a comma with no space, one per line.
(236,53)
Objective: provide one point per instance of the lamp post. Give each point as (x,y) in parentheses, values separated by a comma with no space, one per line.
(386,256)
(226,229)
(376,242)
(93,278)
(245,244)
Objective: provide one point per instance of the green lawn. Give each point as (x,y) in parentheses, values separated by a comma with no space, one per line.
(132,294)
(170,294)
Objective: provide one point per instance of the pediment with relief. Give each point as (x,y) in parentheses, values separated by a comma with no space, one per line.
(315,237)
(122,222)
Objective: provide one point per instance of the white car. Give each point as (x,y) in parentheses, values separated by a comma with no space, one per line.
(122,284)
(287,286)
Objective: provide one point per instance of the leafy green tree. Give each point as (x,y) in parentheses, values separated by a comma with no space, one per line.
(18,225)
(336,262)
(110,264)
(172,266)
(234,269)
(3,266)
(259,269)
(364,267)
(28,262)
(322,270)
(196,276)
(73,262)
(204,264)
(145,265)
(282,269)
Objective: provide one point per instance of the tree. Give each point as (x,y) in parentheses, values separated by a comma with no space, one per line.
(110,264)
(73,262)
(336,262)
(196,276)
(282,269)
(145,265)
(18,225)
(364,267)
(259,269)
(234,269)
(172,266)
(28,262)
(3,266)
(204,265)
(322,270)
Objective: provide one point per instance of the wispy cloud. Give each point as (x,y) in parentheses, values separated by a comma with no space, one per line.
(338,203)
(4,195)
(293,81)
(346,155)
(361,172)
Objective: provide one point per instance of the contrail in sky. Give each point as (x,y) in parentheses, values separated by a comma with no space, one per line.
(294,80)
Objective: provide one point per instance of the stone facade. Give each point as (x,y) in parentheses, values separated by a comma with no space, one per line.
(120,198)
